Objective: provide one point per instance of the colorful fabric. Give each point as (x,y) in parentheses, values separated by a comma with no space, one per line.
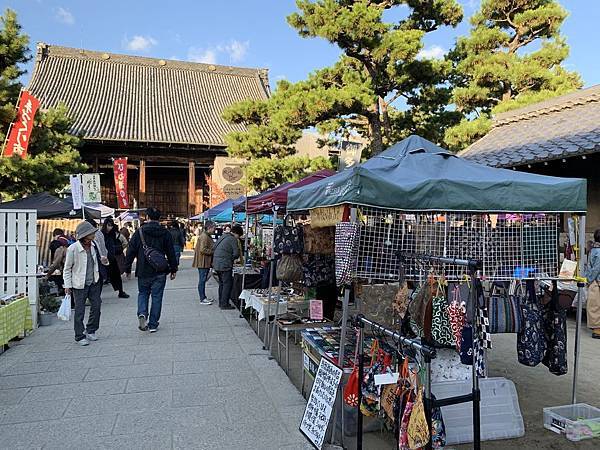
(438,428)
(289,240)
(403,435)
(441,328)
(531,342)
(505,314)
(457,313)
(346,252)
(15,320)
(319,270)
(418,429)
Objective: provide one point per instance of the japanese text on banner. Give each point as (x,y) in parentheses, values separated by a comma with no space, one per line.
(91,188)
(20,131)
(120,169)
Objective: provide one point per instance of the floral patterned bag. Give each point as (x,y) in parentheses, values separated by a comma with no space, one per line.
(457,312)
(418,428)
(404,423)
(531,341)
(289,240)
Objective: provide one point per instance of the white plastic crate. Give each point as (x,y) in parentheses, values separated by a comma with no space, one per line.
(577,422)
(500,413)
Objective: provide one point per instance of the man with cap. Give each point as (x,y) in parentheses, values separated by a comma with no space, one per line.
(83,282)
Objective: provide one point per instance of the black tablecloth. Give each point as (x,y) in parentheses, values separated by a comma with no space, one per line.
(253,281)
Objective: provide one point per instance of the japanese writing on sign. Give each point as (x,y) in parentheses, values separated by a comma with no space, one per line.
(91,188)
(120,169)
(76,191)
(320,403)
(20,131)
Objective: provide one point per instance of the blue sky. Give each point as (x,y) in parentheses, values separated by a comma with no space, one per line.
(250,33)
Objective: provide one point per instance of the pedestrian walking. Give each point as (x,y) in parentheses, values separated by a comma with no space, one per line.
(593,278)
(178,239)
(203,255)
(152,246)
(226,252)
(115,242)
(83,282)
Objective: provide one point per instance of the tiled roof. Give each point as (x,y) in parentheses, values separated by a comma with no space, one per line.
(562,127)
(135,99)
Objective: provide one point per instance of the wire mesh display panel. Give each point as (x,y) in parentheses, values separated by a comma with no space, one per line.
(510,245)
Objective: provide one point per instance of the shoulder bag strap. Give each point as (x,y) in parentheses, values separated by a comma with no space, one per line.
(142,238)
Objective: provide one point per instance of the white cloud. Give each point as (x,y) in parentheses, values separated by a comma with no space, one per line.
(139,43)
(65,16)
(433,52)
(199,55)
(235,49)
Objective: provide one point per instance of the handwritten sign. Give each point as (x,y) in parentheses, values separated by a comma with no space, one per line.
(320,403)
(91,188)
(326,216)
(76,192)
(316,309)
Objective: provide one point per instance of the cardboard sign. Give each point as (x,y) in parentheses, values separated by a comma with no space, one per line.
(320,403)
(91,188)
(316,309)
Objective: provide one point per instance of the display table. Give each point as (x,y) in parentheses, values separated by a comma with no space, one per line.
(253,281)
(15,320)
(286,327)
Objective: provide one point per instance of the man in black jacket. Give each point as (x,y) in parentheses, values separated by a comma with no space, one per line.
(151,282)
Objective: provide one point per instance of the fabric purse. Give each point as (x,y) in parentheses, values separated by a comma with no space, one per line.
(404,423)
(420,303)
(289,268)
(376,302)
(418,428)
(370,399)
(441,329)
(466,345)
(555,327)
(346,251)
(289,240)
(457,313)
(504,314)
(319,240)
(351,389)
(401,299)
(531,341)
(438,428)
(319,270)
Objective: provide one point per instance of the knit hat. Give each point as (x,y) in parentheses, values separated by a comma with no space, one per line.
(84,229)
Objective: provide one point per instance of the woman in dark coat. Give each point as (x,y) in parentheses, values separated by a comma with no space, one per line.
(114,246)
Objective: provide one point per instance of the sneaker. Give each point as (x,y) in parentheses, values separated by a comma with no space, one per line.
(92,337)
(123,295)
(153,330)
(83,342)
(206,302)
(142,323)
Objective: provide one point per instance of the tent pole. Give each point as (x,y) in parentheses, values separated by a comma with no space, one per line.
(271,271)
(580,286)
(245,259)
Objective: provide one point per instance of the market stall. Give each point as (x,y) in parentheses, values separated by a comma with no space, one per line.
(413,214)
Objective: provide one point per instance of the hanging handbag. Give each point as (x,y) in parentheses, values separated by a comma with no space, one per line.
(555,326)
(420,303)
(466,345)
(370,399)
(351,388)
(346,252)
(319,240)
(402,393)
(400,305)
(376,302)
(457,313)
(504,312)
(531,341)
(405,421)
(288,240)
(289,268)
(441,329)
(438,428)
(419,432)
(319,270)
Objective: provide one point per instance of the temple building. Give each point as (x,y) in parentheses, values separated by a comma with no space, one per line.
(164,115)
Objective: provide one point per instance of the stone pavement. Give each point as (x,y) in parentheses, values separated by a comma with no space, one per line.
(202,381)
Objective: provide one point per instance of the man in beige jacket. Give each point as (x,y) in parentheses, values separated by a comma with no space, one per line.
(203,254)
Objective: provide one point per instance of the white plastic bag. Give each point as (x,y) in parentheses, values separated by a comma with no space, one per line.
(64,313)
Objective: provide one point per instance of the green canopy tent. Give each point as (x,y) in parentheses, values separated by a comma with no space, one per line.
(417,175)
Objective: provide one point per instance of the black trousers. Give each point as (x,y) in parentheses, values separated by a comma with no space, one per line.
(225,279)
(114,275)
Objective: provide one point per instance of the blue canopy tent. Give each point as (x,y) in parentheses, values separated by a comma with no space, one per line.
(222,207)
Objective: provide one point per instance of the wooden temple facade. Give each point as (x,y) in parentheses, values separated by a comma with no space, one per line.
(163,115)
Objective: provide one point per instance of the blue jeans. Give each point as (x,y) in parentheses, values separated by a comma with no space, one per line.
(178,252)
(202,277)
(154,286)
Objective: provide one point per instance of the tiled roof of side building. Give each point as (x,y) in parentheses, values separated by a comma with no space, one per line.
(135,99)
(562,127)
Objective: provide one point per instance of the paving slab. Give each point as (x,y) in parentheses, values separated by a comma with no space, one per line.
(201,382)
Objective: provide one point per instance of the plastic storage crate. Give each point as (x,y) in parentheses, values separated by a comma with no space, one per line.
(576,422)
(500,413)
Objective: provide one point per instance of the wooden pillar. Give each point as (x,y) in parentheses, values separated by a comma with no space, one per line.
(142,186)
(191,188)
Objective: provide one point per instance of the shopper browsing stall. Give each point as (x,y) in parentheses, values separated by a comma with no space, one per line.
(203,255)
(226,252)
(83,282)
(593,277)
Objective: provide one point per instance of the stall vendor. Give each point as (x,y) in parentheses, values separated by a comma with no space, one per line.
(593,277)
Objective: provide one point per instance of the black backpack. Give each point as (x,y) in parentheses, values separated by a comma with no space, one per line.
(155,258)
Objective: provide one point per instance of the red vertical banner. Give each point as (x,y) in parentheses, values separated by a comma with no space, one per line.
(120,168)
(20,130)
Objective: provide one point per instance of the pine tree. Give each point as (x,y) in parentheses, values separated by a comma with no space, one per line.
(380,65)
(52,151)
(511,58)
